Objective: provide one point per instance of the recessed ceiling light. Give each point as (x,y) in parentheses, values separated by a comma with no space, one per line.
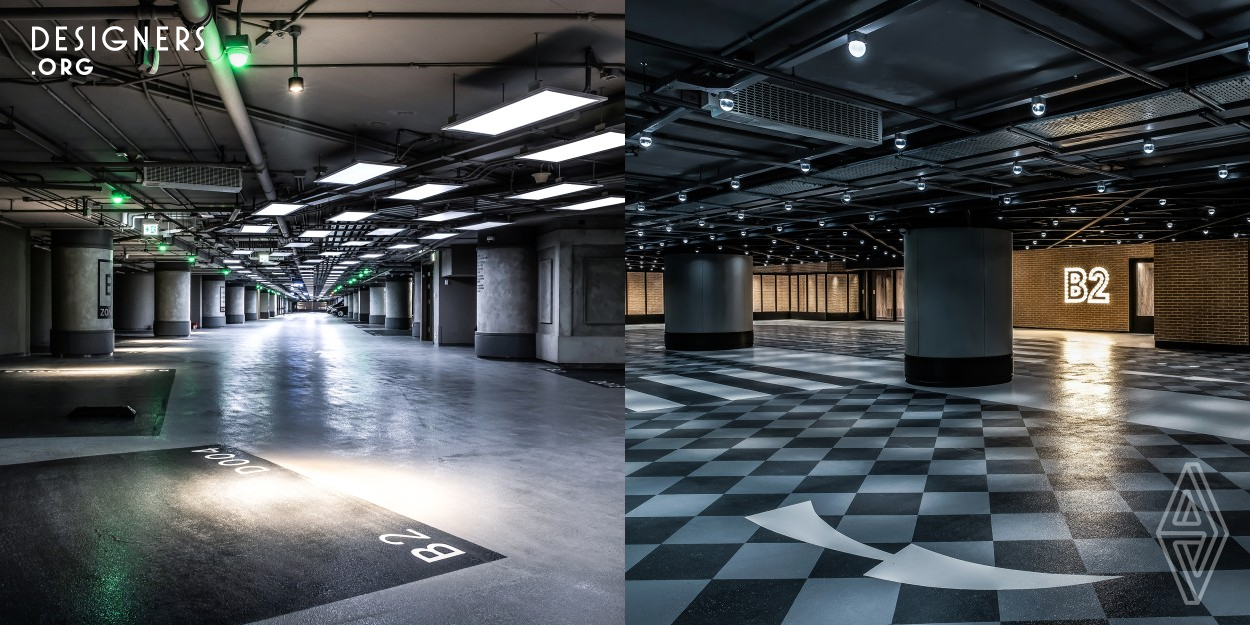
(424,191)
(483,226)
(359,172)
(277,209)
(436,236)
(372,255)
(298,244)
(582,147)
(355,243)
(350,216)
(554,190)
(385,232)
(279,254)
(232,261)
(316,234)
(331,254)
(251,229)
(350,262)
(531,108)
(585,206)
(243,252)
(403,246)
(447,216)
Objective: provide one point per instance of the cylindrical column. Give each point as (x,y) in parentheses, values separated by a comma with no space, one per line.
(234,304)
(957,285)
(707,301)
(40,299)
(213,301)
(377,304)
(362,306)
(507,302)
(197,301)
(262,308)
(173,299)
(251,303)
(82,287)
(398,298)
(133,301)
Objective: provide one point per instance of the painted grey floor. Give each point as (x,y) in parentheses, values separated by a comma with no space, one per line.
(512,457)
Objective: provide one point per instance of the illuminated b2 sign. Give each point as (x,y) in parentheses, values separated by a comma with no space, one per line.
(1088,288)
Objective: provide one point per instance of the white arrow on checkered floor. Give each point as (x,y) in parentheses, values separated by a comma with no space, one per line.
(912,565)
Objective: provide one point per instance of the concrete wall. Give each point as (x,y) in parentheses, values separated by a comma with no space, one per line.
(14,291)
(581,296)
(40,299)
(455,295)
(134,303)
(1202,293)
(1038,287)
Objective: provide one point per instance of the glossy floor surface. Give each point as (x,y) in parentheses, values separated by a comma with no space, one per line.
(1069,469)
(512,457)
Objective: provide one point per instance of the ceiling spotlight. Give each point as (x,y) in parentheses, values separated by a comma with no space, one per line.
(1072,209)
(682,197)
(726,101)
(1038,105)
(668,228)
(1140,235)
(295,84)
(741,215)
(1054,222)
(789,206)
(238,49)
(846,197)
(1163,201)
(1017,169)
(821,223)
(1149,146)
(932,210)
(685,240)
(1043,235)
(900,141)
(1102,187)
(1006,199)
(857,45)
(1169,224)
(779,228)
(641,206)
(1210,211)
(805,166)
(735,184)
(1222,173)
(1206,232)
(872,216)
(645,141)
(920,184)
(702,222)
(117,197)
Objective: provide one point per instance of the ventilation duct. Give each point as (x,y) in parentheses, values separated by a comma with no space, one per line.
(194,178)
(765,105)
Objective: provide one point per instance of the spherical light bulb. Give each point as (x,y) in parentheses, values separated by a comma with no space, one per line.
(1206,232)
(778,228)
(932,210)
(1163,201)
(1222,173)
(642,206)
(1102,188)
(1038,106)
(872,216)
(1054,222)
(735,184)
(685,240)
(726,101)
(682,197)
(1169,224)
(789,206)
(856,45)
(702,223)
(1140,235)
(1006,199)
(821,224)
(668,228)
(805,166)
(846,198)
(741,215)
(1149,146)
(920,184)
(645,141)
(1210,211)
(1072,209)
(1017,169)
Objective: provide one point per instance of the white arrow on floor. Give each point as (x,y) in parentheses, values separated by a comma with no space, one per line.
(912,565)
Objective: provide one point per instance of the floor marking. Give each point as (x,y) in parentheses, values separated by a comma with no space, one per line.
(779,380)
(702,386)
(913,564)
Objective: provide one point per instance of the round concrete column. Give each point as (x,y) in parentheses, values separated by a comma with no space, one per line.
(377,304)
(40,299)
(213,301)
(362,306)
(262,308)
(251,303)
(197,301)
(507,302)
(82,288)
(957,287)
(707,301)
(234,304)
(173,299)
(134,301)
(398,297)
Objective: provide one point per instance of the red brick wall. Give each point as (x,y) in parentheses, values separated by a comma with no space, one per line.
(1038,287)
(1201,292)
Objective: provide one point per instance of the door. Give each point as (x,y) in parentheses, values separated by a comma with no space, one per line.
(883,295)
(427,302)
(1141,295)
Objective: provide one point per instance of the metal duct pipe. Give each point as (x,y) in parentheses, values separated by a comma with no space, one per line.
(1172,18)
(195,12)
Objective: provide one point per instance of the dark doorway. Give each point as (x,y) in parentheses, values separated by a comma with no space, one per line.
(427,302)
(1141,293)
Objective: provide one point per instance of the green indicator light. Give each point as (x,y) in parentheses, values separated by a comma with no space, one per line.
(191,259)
(366,271)
(118,197)
(162,247)
(238,49)
(352,281)
(225,272)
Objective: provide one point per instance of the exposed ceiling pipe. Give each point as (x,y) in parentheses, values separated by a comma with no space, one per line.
(200,11)
(1172,18)
(140,12)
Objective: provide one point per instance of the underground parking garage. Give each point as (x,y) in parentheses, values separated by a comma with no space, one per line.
(313,312)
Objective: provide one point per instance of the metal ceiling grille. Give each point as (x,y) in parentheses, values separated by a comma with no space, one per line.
(786,187)
(996,141)
(789,110)
(1138,110)
(867,169)
(733,199)
(1227,91)
(194,177)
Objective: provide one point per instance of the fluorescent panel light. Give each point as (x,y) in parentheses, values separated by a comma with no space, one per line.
(436,236)
(484,225)
(316,234)
(350,262)
(403,246)
(372,255)
(279,254)
(385,232)
(447,216)
(278,210)
(424,191)
(243,252)
(350,216)
(355,243)
(358,173)
(331,254)
(531,108)
(298,244)
(554,190)
(581,147)
(232,261)
(585,206)
(255,229)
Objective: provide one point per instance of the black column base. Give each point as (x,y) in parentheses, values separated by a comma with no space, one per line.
(263,315)
(233,319)
(377,319)
(707,341)
(393,323)
(977,371)
(171,328)
(504,345)
(81,342)
(250,317)
(213,322)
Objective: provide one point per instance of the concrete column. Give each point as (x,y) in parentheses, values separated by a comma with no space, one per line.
(234,304)
(455,295)
(40,299)
(377,304)
(273,305)
(581,293)
(507,302)
(134,301)
(173,299)
(262,307)
(251,303)
(398,299)
(82,288)
(707,301)
(16,292)
(418,284)
(957,286)
(213,301)
(362,305)
(197,300)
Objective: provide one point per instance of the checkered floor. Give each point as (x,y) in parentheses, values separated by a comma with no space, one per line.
(985,482)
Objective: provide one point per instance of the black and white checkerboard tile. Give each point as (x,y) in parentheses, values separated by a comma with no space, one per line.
(984,482)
